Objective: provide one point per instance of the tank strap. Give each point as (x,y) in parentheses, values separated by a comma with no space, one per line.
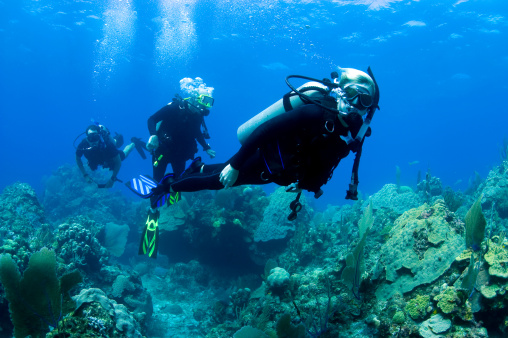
(286,101)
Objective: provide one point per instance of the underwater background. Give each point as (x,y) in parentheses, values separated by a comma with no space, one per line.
(343,268)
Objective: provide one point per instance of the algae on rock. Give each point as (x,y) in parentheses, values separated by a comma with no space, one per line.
(422,246)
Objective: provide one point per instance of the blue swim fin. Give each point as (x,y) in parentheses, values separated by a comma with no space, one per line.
(142,186)
(146,187)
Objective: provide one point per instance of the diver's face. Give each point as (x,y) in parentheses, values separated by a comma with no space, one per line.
(93,138)
(345,107)
(197,108)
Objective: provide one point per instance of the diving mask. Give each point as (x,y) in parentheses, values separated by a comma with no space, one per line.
(93,136)
(358,96)
(205,100)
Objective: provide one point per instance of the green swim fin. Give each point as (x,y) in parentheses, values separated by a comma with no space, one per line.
(150,237)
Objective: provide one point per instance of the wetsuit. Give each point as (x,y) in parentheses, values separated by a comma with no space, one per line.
(100,155)
(177,133)
(302,145)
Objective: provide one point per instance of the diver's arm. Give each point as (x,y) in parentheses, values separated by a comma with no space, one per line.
(158,116)
(117,163)
(201,140)
(82,168)
(80,165)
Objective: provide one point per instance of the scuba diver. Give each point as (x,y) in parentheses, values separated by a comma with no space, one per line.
(101,149)
(297,142)
(174,130)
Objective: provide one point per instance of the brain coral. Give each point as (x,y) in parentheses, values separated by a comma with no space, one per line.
(423,244)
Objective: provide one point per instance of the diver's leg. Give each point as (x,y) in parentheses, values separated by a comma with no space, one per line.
(253,171)
(159,169)
(178,167)
(207,180)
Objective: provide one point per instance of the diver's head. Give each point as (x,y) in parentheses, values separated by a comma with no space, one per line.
(93,134)
(199,94)
(358,91)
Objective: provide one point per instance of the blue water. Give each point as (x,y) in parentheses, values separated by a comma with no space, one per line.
(441,67)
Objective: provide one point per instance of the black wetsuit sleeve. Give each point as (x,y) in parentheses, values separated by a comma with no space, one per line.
(80,149)
(289,122)
(156,118)
(201,138)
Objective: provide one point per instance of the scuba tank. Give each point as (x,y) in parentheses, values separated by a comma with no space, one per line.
(314,90)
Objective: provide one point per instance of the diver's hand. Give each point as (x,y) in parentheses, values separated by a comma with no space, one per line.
(211,153)
(153,143)
(228,176)
(293,187)
(88,179)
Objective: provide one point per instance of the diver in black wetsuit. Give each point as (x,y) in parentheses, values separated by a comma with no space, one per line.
(299,149)
(176,127)
(101,149)
(290,148)
(174,130)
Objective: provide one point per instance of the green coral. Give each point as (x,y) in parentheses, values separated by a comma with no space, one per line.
(399,318)
(497,257)
(447,299)
(475,225)
(285,329)
(39,299)
(355,262)
(489,291)
(417,307)
(492,290)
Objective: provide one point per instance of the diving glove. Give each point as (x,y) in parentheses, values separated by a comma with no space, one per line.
(153,143)
(228,176)
(211,153)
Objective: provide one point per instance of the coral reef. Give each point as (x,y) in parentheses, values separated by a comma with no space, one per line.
(422,246)
(400,263)
(275,224)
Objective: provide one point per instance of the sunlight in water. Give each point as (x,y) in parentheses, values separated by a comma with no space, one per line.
(118,35)
(176,36)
